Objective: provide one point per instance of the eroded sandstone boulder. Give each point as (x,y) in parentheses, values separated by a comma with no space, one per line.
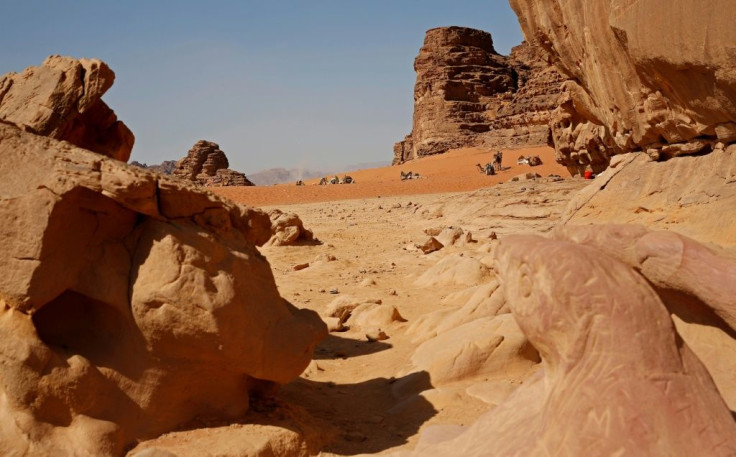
(615,379)
(206,165)
(287,229)
(61,99)
(646,75)
(130,303)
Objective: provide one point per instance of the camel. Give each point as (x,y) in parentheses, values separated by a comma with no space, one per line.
(323,182)
(497,158)
(532,161)
(488,170)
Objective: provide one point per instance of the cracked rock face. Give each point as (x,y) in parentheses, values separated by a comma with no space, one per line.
(130,303)
(61,99)
(646,75)
(207,165)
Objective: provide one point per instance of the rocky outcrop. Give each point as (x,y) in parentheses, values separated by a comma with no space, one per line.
(206,165)
(578,307)
(460,76)
(61,99)
(130,303)
(647,75)
(466,94)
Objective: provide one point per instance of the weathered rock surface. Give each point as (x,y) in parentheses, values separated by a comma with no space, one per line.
(579,307)
(524,119)
(131,303)
(459,76)
(689,194)
(646,75)
(207,165)
(61,99)
(466,94)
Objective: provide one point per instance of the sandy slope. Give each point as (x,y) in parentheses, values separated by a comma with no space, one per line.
(451,172)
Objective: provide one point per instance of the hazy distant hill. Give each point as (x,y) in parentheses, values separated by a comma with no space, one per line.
(282,175)
(166,167)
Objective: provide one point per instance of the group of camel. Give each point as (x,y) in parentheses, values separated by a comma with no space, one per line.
(409,175)
(335,180)
(491,168)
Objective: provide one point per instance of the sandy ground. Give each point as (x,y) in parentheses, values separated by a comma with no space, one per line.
(454,171)
(363,397)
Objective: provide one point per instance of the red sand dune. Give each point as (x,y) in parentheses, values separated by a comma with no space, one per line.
(454,171)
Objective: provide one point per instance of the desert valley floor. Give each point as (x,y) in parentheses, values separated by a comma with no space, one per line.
(360,396)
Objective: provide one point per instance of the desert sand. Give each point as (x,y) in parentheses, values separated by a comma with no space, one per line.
(454,171)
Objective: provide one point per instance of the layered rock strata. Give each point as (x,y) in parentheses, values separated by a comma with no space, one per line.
(61,99)
(466,94)
(206,165)
(130,303)
(459,77)
(638,82)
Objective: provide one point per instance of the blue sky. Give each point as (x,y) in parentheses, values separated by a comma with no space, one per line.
(281,83)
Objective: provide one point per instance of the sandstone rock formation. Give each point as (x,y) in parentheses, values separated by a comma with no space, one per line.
(579,307)
(459,75)
(466,94)
(287,229)
(130,303)
(646,75)
(207,165)
(690,195)
(524,119)
(61,99)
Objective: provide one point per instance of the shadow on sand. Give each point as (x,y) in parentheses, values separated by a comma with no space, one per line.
(336,347)
(363,418)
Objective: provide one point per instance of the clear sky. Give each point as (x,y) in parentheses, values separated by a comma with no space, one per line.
(275,83)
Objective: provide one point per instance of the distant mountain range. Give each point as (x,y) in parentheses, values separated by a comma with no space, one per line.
(276,175)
